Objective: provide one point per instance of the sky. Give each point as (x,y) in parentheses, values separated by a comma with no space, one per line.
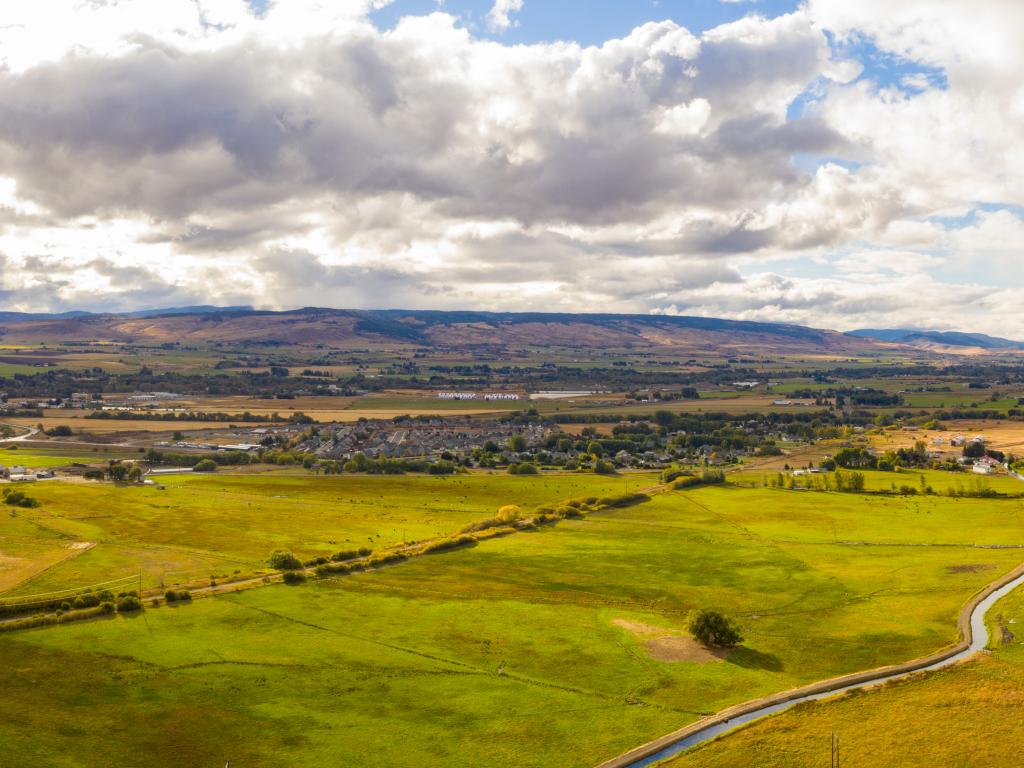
(822,162)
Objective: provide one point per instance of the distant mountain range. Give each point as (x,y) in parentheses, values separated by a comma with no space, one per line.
(942,338)
(341,328)
(6,317)
(468,330)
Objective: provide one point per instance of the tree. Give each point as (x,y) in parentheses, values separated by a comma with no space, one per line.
(205,465)
(714,630)
(117,471)
(284,560)
(517,443)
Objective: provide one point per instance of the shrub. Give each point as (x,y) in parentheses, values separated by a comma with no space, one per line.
(107,606)
(674,473)
(294,577)
(351,554)
(713,629)
(712,476)
(170,596)
(509,513)
(128,604)
(443,545)
(524,468)
(205,465)
(19,499)
(283,560)
(93,474)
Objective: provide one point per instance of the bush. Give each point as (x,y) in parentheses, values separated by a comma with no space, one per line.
(714,630)
(294,577)
(351,554)
(712,476)
(524,468)
(93,474)
(674,473)
(19,499)
(446,544)
(128,604)
(283,560)
(205,465)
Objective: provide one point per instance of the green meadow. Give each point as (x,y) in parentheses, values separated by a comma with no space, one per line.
(522,650)
(967,715)
(195,526)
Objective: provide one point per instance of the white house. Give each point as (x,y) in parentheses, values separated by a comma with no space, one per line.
(986,465)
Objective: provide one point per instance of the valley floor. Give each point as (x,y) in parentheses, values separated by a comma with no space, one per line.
(559,647)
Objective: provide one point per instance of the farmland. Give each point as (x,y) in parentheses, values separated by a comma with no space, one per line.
(932,719)
(192,526)
(562,646)
(548,635)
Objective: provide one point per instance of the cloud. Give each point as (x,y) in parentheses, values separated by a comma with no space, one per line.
(499,18)
(765,168)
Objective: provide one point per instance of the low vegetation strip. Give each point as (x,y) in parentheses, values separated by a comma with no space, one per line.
(826,686)
(508,520)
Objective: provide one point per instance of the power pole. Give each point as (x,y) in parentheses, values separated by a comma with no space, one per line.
(835,750)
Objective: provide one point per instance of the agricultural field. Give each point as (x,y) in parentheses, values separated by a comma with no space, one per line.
(81,425)
(38,458)
(559,647)
(966,715)
(916,480)
(194,527)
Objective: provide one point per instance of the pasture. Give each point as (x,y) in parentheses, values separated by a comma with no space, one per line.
(198,526)
(558,647)
(962,716)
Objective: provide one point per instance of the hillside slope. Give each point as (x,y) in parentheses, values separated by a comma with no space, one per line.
(445,330)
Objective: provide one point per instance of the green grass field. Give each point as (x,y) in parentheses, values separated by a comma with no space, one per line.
(510,652)
(943,483)
(198,526)
(35,458)
(968,715)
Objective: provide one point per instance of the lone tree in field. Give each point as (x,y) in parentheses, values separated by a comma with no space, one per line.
(714,630)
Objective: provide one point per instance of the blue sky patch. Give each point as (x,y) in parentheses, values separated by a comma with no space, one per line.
(588,22)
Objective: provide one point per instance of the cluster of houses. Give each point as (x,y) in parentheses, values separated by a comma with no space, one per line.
(19,474)
(417,439)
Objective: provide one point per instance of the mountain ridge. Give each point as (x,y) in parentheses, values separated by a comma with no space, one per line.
(475,329)
(946,338)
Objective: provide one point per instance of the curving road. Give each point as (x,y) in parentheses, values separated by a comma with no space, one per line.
(32,432)
(975,639)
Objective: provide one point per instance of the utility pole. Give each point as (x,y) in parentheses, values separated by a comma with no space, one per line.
(835,750)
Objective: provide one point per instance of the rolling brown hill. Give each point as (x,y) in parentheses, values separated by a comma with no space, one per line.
(449,330)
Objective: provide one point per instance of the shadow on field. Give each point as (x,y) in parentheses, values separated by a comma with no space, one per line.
(748,658)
